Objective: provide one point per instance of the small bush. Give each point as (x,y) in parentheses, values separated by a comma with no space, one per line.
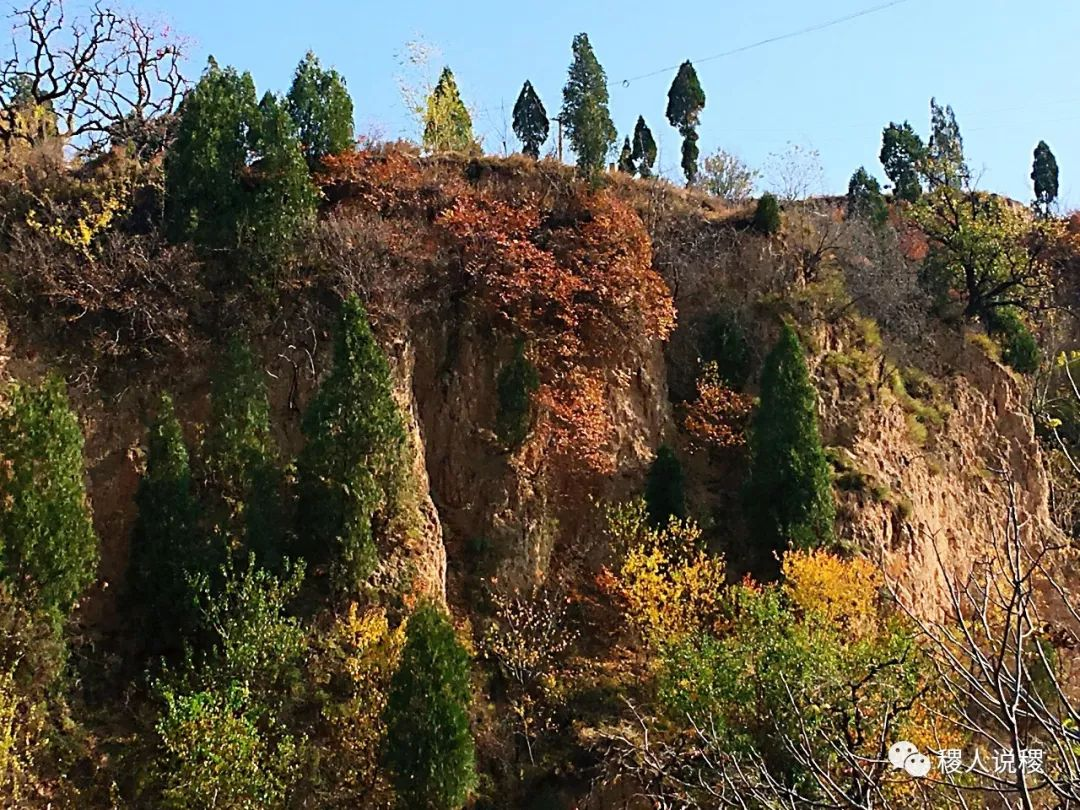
(517,384)
(724,343)
(1019,349)
(767,218)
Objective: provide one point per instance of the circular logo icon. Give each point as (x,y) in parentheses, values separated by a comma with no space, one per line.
(917,765)
(899,753)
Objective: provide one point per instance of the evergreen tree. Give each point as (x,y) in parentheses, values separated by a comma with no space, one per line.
(945,155)
(517,384)
(1044,173)
(355,436)
(429,746)
(767,219)
(686,100)
(788,496)
(242,458)
(644,151)
(205,165)
(47,540)
(447,124)
(585,109)
(902,156)
(235,177)
(168,553)
(864,198)
(626,159)
(321,109)
(665,495)
(530,121)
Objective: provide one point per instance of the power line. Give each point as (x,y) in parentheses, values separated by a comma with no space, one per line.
(779,38)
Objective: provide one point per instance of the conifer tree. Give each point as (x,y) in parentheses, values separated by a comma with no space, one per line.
(530,121)
(585,109)
(447,123)
(767,219)
(626,158)
(242,458)
(644,148)
(47,540)
(945,163)
(429,746)
(204,196)
(1044,173)
(321,109)
(347,470)
(788,496)
(686,100)
(902,156)
(665,495)
(168,552)
(864,198)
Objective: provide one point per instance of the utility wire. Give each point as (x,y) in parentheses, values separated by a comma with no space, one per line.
(779,38)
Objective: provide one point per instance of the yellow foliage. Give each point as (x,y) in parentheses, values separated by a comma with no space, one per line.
(356,658)
(840,591)
(671,588)
(94,214)
(21,724)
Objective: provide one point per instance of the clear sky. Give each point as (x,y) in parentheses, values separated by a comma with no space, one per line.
(1008,68)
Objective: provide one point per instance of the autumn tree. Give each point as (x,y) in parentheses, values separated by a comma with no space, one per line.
(447,123)
(347,469)
(665,495)
(789,493)
(626,159)
(686,100)
(1044,174)
(643,152)
(944,164)
(48,548)
(724,175)
(168,550)
(865,200)
(585,109)
(321,109)
(530,121)
(903,155)
(242,458)
(429,746)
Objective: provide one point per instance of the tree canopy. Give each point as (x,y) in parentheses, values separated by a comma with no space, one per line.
(686,100)
(322,110)
(585,109)
(447,123)
(530,120)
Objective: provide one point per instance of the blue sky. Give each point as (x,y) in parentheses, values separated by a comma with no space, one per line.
(1007,67)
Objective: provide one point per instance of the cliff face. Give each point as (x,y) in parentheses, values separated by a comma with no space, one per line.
(915,470)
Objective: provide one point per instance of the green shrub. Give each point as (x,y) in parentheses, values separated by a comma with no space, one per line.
(724,343)
(1019,349)
(349,467)
(767,218)
(48,549)
(517,384)
(429,747)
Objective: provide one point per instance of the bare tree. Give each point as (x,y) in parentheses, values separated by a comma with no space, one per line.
(106,77)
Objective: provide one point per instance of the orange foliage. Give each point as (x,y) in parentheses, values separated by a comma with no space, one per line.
(717,419)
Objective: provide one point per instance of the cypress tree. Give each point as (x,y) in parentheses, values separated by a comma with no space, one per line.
(902,156)
(864,198)
(242,458)
(321,109)
(355,436)
(767,218)
(585,109)
(788,495)
(945,154)
(665,495)
(447,124)
(530,121)
(47,540)
(168,552)
(1044,173)
(686,100)
(644,151)
(429,746)
(626,158)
